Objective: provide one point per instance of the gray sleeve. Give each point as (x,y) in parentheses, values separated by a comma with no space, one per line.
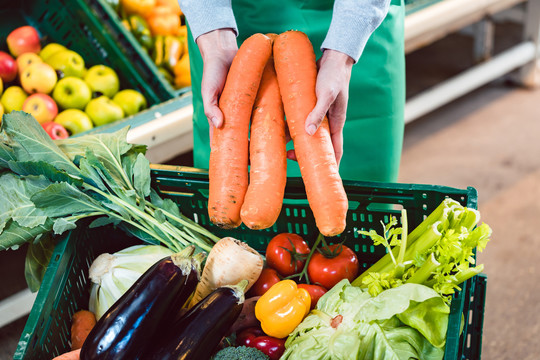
(353,22)
(206,15)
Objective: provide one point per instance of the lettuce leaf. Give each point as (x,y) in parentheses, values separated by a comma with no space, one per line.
(348,323)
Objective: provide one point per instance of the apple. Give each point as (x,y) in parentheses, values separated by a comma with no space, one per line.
(103,110)
(13,98)
(1,112)
(102,80)
(22,40)
(38,78)
(55,130)
(68,63)
(50,49)
(41,106)
(8,67)
(72,93)
(1,86)
(131,101)
(74,120)
(27,59)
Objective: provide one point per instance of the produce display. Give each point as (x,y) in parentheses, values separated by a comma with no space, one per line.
(159,27)
(184,293)
(53,84)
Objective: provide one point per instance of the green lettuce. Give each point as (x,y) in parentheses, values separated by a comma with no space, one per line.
(407,322)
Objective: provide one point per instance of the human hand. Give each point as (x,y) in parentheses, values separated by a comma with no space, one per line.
(218,49)
(332,92)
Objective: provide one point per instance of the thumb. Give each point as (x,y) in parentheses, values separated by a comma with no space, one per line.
(214,115)
(316,116)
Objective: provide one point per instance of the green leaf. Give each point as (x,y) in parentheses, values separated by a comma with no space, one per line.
(16,203)
(141,175)
(62,224)
(107,148)
(32,143)
(63,199)
(158,215)
(24,168)
(104,220)
(15,235)
(37,259)
(91,175)
(6,154)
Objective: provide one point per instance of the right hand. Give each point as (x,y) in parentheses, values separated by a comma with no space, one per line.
(218,49)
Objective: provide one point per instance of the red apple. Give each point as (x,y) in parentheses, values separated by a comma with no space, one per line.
(41,106)
(22,40)
(8,67)
(55,131)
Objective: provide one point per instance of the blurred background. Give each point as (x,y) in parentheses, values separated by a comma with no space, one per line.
(472,119)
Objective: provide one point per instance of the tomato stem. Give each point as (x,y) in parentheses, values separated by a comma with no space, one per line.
(304,272)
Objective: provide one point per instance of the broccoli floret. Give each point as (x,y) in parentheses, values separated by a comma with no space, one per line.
(240,353)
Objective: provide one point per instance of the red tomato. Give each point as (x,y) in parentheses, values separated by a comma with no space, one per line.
(286,253)
(328,271)
(315,291)
(265,281)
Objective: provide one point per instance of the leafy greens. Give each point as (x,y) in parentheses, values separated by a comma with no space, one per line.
(47,186)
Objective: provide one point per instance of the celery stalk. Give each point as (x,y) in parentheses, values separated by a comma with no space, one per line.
(425,271)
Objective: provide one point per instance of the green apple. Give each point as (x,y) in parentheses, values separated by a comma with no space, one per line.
(67,62)
(103,80)
(103,110)
(72,93)
(74,120)
(131,101)
(38,78)
(50,49)
(13,99)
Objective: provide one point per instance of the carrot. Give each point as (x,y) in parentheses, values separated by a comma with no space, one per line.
(267,154)
(296,70)
(82,323)
(72,355)
(229,262)
(228,172)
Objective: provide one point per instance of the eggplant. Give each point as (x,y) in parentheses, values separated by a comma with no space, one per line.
(197,334)
(153,301)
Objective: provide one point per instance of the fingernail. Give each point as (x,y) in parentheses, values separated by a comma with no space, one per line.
(214,121)
(311,129)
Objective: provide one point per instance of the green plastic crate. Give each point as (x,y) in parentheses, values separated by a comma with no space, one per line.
(72,24)
(65,288)
(131,48)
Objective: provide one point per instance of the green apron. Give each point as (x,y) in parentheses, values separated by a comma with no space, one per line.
(373,133)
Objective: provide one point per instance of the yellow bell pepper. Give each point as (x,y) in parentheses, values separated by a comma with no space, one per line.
(282,308)
(141,7)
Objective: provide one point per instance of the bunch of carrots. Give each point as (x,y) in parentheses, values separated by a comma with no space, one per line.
(272,76)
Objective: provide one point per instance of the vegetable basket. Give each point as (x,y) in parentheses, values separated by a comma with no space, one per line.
(65,287)
(73,24)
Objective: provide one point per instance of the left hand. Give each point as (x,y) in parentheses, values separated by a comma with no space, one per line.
(332,90)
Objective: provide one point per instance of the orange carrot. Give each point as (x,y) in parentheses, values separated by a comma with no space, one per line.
(267,155)
(82,323)
(296,70)
(72,355)
(228,172)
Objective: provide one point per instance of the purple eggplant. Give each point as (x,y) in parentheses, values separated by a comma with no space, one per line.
(123,332)
(197,334)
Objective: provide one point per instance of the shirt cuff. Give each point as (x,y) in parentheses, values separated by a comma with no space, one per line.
(352,24)
(204,16)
